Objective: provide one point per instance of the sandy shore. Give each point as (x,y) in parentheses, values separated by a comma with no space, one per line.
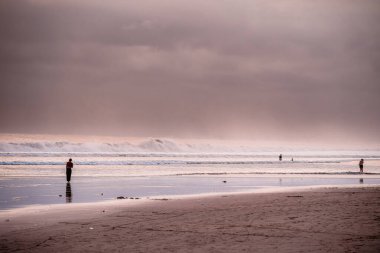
(321,220)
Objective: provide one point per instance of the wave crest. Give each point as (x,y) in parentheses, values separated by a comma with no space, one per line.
(152,145)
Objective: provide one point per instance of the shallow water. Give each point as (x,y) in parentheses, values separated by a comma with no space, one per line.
(19,192)
(29,178)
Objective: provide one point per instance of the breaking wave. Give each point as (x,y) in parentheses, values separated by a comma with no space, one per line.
(167,147)
(152,145)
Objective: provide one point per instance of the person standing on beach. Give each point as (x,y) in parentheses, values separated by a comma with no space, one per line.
(361,165)
(69,166)
(280,157)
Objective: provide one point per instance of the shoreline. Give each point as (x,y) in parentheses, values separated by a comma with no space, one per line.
(25,192)
(142,200)
(132,201)
(335,219)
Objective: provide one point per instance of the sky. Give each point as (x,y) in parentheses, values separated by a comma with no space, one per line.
(243,69)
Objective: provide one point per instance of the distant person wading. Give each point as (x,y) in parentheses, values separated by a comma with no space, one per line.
(69,166)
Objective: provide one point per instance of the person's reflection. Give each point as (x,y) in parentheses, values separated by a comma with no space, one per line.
(69,196)
(361,180)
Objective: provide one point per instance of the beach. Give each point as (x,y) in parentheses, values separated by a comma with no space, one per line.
(317,220)
(189,126)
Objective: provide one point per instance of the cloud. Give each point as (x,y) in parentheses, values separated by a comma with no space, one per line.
(198,68)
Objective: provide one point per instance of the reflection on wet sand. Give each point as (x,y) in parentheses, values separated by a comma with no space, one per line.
(69,195)
(361,180)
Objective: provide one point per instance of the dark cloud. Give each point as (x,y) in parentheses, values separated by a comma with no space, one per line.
(191,68)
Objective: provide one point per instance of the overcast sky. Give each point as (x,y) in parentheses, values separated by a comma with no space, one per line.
(200,68)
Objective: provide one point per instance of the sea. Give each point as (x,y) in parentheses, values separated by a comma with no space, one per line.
(33,173)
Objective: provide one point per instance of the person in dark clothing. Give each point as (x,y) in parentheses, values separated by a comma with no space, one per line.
(361,165)
(69,166)
(280,157)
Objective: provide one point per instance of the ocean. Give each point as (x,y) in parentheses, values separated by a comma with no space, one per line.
(32,174)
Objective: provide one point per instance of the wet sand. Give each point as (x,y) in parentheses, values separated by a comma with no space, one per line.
(317,220)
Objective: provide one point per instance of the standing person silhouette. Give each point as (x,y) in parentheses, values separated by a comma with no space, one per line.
(280,157)
(69,166)
(361,165)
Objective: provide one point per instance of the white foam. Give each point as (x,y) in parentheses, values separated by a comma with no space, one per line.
(158,146)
